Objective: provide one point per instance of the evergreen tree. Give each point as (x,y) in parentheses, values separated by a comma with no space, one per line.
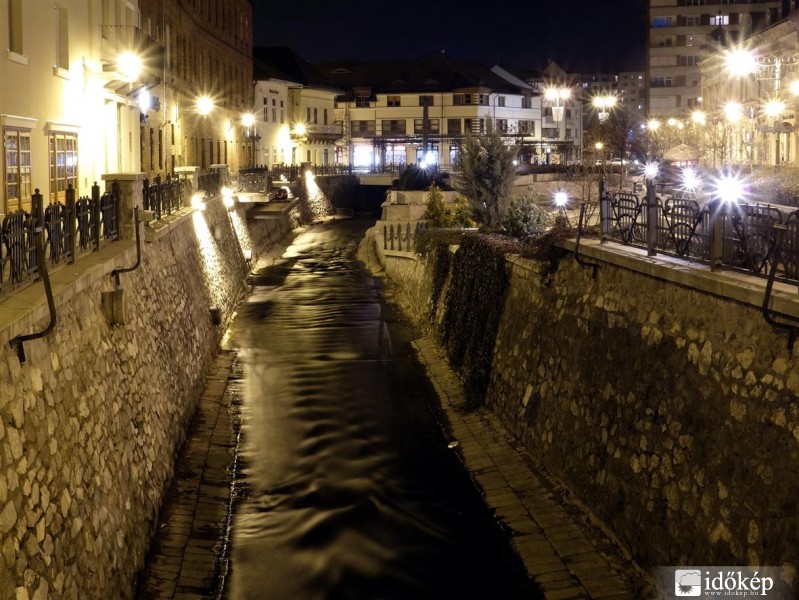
(487,174)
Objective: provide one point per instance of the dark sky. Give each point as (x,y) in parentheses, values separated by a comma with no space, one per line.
(578,34)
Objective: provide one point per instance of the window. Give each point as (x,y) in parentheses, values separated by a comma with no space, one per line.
(688,61)
(454,126)
(363,128)
(315,116)
(361,99)
(392,100)
(502,125)
(662,22)
(307,114)
(62,38)
(324,119)
(549,132)
(63,164)
(461,99)
(720,20)
(15,26)
(396,126)
(500,100)
(661,82)
(17,144)
(433,126)
(526,102)
(426,101)
(693,21)
(527,127)
(274,115)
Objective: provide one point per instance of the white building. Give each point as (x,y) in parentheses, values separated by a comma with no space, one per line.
(409,112)
(295,120)
(66,114)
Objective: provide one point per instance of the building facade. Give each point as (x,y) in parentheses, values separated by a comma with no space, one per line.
(199,82)
(400,113)
(761,130)
(296,121)
(678,30)
(66,117)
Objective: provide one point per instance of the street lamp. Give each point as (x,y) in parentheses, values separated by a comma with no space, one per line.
(204,105)
(129,66)
(603,104)
(556,95)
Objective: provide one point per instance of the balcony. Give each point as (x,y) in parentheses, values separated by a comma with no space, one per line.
(319,132)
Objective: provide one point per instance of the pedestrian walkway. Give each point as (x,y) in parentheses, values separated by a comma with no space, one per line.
(566,554)
(187,559)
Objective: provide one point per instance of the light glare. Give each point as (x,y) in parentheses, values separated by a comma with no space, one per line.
(204,105)
(561,198)
(651,170)
(690,179)
(730,188)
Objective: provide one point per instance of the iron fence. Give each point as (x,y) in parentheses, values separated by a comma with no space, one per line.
(740,236)
(76,226)
(164,197)
(404,234)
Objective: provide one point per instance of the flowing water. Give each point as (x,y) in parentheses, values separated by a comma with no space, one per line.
(352,492)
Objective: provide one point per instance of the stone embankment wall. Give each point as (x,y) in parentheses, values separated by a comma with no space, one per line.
(671,412)
(91,422)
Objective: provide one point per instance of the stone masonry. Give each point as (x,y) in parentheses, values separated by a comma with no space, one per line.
(669,410)
(91,423)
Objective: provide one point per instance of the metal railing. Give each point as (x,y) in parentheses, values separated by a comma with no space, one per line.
(741,236)
(404,234)
(79,225)
(164,197)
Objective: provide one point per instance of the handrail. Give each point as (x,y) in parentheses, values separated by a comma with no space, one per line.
(115,273)
(18,341)
(791,329)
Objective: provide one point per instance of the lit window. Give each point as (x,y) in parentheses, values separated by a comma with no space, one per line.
(18,168)
(720,20)
(393,101)
(63,164)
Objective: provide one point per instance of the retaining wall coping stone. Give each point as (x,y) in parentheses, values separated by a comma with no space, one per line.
(733,285)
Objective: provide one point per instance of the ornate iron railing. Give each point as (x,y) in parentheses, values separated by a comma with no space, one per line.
(404,234)
(164,197)
(70,228)
(738,236)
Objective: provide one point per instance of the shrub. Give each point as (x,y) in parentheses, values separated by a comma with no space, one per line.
(526,218)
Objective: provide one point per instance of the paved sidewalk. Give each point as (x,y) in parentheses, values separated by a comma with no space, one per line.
(562,550)
(187,559)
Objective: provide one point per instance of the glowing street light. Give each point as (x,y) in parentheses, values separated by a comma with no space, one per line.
(556,95)
(227,197)
(730,188)
(690,179)
(740,62)
(204,105)
(651,170)
(561,199)
(129,66)
(300,129)
(653,125)
(603,104)
(248,119)
(733,111)
(774,108)
(699,117)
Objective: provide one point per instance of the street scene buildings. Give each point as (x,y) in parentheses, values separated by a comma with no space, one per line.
(411,323)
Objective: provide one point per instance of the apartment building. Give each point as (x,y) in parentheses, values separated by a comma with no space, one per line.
(412,112)
(199,83)
(67,115)
(678,31)
(295,116)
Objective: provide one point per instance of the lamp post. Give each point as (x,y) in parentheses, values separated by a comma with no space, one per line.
(604,103)
(556,95)
(773,109)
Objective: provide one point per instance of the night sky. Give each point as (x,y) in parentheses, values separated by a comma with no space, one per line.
(581,35)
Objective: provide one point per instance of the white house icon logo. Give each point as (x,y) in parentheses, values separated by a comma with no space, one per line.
(687,583)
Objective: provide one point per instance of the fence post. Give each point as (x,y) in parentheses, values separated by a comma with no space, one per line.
(716,235)
(96,215)
(116,192)
(604,210)
(37,228)
(651,219)
(72,224)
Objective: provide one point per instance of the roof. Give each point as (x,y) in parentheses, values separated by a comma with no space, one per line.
(282,63)
(430,74)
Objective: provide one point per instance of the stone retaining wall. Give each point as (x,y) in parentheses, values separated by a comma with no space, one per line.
(670,411)
(91,423)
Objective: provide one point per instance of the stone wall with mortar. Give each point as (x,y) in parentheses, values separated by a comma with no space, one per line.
(670,411)
(91,422)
